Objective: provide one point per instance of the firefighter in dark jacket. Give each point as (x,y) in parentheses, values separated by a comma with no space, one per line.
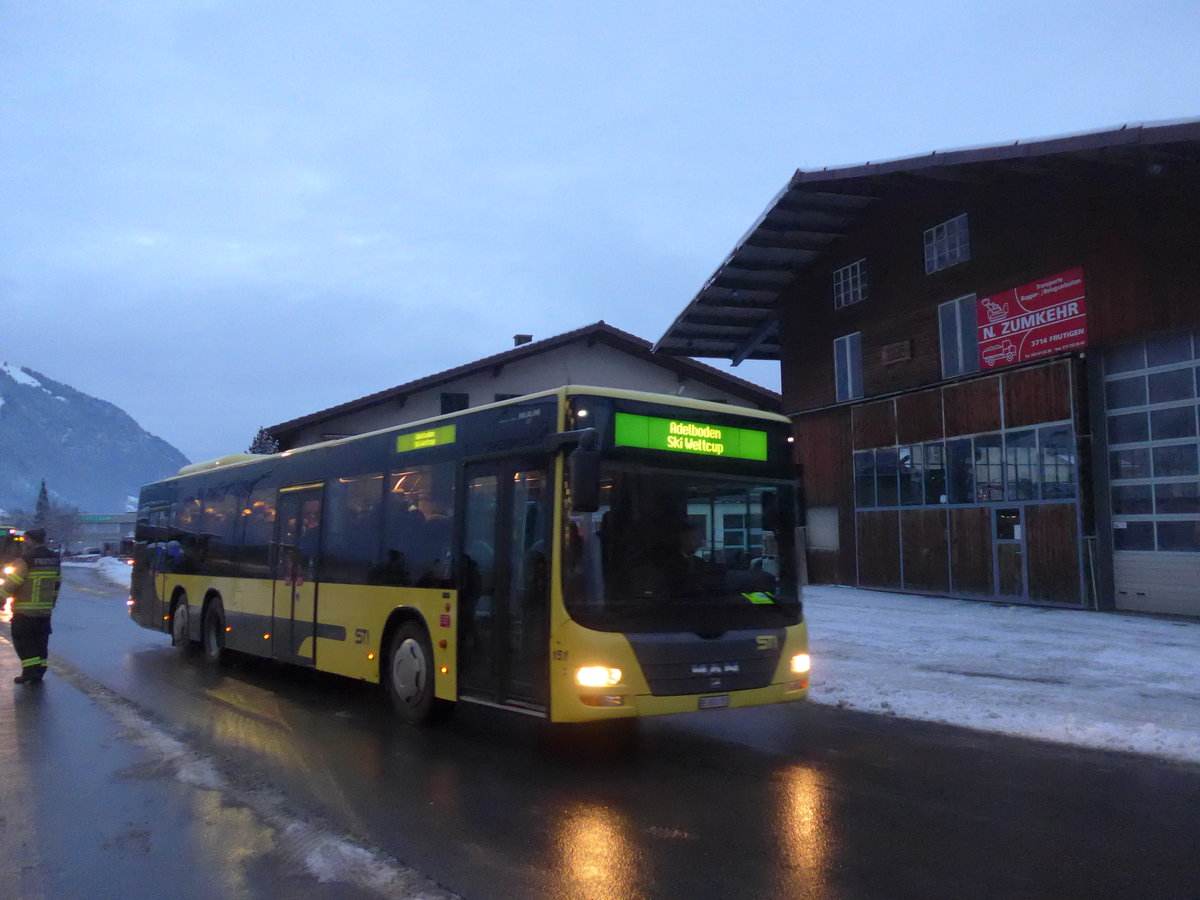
(31,582)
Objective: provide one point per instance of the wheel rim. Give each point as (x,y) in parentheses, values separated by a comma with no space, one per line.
(409,671)
(179,624)
(212,636)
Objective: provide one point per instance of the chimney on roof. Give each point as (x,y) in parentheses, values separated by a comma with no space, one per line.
(519,339)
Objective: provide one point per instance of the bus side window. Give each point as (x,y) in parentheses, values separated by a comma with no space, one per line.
(418,525)
(351,534)
(259,516)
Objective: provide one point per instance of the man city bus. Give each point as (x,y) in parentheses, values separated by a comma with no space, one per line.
(578,554)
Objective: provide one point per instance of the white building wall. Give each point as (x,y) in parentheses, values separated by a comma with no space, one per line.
(575,363)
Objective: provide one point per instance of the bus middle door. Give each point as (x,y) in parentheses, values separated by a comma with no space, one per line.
(504,565)
(297,545)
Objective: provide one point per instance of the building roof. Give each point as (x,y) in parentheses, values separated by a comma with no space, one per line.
(599,332)
(734,314)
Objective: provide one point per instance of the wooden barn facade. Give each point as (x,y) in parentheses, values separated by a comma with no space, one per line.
(991,357)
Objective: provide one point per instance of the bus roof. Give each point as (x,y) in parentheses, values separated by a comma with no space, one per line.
(236,459)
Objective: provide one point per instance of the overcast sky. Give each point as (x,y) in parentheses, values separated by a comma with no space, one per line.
(220,214)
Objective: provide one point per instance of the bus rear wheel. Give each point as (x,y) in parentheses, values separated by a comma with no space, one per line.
(213,628)
(180,625)
(408,675)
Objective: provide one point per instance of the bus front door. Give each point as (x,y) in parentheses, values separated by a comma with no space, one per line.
(297,544)
(156,561)
(504,585)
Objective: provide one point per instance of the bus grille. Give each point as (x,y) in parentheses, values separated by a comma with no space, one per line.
(677,664)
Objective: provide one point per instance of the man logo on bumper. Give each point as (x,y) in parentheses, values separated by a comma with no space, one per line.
(716,669)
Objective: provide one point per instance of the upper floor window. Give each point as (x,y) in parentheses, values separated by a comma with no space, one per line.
(959,336)
(847,366)
(850,284)
(947,244)
(453,402)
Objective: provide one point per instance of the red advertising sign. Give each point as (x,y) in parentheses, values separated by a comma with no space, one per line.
(1038,319)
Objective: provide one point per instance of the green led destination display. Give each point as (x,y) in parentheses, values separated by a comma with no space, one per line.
(652,433)
(432,437)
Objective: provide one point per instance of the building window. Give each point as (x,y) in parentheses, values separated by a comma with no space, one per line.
(847,367)
(1031,464)
(454,402)
(500,397)
(947,244)
(959,337)
(850,284)
(1152,395)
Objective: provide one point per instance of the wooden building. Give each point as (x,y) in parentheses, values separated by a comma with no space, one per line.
(991,359)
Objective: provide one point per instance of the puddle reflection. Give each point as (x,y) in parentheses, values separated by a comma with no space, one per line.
(804,831)
(597,855)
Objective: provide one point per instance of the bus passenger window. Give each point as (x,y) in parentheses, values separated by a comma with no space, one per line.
(418,520)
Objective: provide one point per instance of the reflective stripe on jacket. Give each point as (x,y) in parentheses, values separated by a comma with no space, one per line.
(34,581)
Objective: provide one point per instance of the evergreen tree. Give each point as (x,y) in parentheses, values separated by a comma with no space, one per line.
(264,442)
(41,512)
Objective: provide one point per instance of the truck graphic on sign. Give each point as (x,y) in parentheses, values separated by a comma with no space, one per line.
(1006,350)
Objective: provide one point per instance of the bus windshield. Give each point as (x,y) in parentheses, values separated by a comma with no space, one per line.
(670,550)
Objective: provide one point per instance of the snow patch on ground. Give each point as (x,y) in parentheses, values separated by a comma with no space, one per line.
(110,569)
(1103,680)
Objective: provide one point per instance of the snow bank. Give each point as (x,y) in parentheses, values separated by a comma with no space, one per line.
(113,570)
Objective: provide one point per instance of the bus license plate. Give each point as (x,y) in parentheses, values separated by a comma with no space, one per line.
(718,702)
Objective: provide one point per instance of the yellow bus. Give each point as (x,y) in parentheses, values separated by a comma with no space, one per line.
(578,554)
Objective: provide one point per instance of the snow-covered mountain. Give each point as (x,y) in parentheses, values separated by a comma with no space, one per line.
(91,453)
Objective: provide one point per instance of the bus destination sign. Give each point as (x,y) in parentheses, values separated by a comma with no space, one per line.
(653,433)
(431,437)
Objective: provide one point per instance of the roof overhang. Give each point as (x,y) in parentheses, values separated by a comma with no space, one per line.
(734,315)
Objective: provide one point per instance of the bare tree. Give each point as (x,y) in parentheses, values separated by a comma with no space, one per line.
(63,529)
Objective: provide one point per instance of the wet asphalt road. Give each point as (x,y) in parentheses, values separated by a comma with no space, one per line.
(788,802)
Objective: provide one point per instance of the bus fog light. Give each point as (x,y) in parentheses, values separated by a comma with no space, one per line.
(597,676)
(607,700)
(801,663)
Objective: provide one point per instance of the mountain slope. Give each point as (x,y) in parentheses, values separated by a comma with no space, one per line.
(92,454)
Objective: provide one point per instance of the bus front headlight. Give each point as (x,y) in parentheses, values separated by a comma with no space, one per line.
(597,676)
(801,663)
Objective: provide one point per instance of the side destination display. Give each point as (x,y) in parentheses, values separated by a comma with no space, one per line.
(419,440)
(651,433)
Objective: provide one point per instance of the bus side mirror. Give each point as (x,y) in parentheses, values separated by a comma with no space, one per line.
(583,466)
(770,511)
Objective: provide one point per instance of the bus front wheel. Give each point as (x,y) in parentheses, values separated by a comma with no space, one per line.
(408,675)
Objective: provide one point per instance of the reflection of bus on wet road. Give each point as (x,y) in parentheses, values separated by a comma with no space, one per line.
(530,554)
